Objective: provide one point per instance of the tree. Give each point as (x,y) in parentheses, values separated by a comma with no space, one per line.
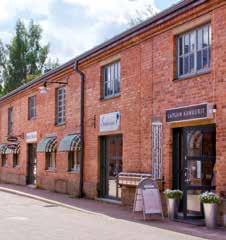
(24,58)
(142,15)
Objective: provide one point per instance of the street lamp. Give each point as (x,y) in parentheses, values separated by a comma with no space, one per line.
(44,88)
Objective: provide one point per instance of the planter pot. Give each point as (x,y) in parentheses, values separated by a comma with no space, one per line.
(210,211)
(172,208)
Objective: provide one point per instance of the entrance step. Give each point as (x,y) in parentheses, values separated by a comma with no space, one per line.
(108,200)
(196,222)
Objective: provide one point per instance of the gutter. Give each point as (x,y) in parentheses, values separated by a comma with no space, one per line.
(82,110)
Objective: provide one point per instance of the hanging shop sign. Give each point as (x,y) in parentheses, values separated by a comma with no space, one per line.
(31,137)
(110,122)
(194,112)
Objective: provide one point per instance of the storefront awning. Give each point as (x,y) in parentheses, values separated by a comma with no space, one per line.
(14,148)
(71,142)
(48,144)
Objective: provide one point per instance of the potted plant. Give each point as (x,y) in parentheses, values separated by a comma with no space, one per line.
(210,202)
(173,197)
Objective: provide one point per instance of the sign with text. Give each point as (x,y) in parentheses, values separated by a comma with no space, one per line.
(194,112)
(110,122)
(147,198)
(31,137)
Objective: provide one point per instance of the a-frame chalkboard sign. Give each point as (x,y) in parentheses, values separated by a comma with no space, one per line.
(147,198)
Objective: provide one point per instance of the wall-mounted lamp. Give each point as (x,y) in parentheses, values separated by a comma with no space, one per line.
(44,89)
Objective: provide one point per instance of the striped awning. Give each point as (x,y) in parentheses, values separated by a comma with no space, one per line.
(48,144)
(14,148)
(71,142)
(4,149)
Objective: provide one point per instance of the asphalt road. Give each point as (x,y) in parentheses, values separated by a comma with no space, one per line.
(23,218)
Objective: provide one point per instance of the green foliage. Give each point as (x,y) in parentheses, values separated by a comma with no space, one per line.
(209,197)
(24,58)
(175,194)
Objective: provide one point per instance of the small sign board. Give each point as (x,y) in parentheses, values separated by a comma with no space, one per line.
(110,122)
(194,112)
(147,198)
(31,137)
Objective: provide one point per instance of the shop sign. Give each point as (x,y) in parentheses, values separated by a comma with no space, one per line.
(194,112)
(31,137)
(110,122)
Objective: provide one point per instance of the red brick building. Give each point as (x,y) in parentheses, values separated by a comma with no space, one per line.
(150,100)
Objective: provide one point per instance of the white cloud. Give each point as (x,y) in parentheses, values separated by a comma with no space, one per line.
(75,26)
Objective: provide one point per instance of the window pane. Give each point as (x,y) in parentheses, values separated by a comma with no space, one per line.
(181,66)
(192,63)
(186,44)
(210,35)
(205,37)
(180,43)
(205,58)
(193,41)
(186,65)
(199,38)
(199,60)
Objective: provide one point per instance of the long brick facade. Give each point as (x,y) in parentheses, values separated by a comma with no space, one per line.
(149,86)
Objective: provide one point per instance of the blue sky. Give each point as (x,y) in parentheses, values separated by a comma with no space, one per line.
(74,26)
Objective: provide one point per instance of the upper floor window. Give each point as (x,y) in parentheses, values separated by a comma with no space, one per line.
(31,107)
(194,51)
(60,105)
(111,80)
(10,120)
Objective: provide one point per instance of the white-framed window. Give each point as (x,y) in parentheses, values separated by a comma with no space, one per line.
(31,107)
(4,160)
(74,158)
(194,51)
(51,160)
(15,159)
(111,80)
(60,105)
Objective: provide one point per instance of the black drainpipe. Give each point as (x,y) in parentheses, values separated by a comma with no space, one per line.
(82,77)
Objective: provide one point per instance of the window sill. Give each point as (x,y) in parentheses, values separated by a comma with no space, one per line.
(110,98)
(16,167)
(60,124)
(32,119)
(74,171)
(51,170)
(192,75)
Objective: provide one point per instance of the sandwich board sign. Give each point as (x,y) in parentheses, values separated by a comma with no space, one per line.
(147,198)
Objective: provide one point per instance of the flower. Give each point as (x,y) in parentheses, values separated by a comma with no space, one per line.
(173,194)
(210,197)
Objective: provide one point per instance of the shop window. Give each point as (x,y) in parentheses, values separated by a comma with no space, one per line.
(10,120)
(74,158)
(111,80)
(60,105)
(194,51)
(50,160)
(15,160)
(4,160)
(31,107)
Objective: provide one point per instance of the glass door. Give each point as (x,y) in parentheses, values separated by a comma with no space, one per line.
(194,156)
(199,160)
(111,166)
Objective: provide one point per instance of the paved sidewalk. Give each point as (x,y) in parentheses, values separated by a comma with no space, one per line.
(113,211)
